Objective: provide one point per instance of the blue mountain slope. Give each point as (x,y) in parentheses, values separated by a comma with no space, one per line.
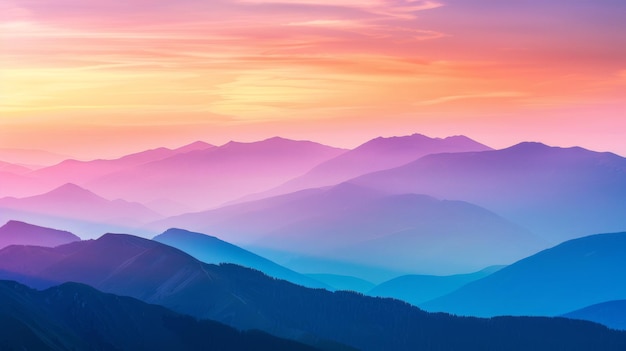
(417,289)
(570,276)
(210,249)
(611,313)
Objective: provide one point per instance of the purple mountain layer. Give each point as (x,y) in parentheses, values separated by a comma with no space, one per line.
(72,201)
(558,193)
(207,178)
(78,210)
(374,155)
(20,233)
(80,172)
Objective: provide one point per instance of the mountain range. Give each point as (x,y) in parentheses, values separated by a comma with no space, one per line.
(244,298)
(358,225)
(557,193)
(299,233)
(44,179)
(207,178)
(374,155)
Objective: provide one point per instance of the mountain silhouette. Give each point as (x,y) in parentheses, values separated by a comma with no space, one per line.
(210,249)
(611,313)
(244,298)
(77,317)
(206,178)
(374,155)
(567,277)
(20,233)
(417,289)
(557,193)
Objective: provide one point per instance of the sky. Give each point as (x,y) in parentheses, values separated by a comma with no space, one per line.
(102,78)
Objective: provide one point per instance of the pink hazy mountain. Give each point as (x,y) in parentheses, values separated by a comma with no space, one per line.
(358,225)
(30,157)
(12,184)
(207,178)
(72,201)
(251,221)
(20,233)
(13,168)
(376,154)
(558,193)
(80,172)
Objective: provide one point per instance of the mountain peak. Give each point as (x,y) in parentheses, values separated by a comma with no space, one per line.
(467,141)
(529,146)
(72,191)
(417,140)
(181,233)
(19,225)
(196,145)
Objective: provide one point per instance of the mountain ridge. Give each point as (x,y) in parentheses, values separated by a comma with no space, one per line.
(558,280)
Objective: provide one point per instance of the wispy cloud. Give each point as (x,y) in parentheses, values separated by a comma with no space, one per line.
(286,59)
(487,95)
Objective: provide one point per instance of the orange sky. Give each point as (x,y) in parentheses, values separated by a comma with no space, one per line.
(101,78)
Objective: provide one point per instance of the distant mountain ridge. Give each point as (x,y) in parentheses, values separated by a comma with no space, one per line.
(74,171)
(68,170)
(418,289)
(76,208)
(207,178)
(13,168)
(374,155)
(30,156)
(557,193)
(73,201)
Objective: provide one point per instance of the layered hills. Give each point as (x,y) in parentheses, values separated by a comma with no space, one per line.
(244,298)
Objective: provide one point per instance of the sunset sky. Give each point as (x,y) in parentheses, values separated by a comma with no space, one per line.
(101,78)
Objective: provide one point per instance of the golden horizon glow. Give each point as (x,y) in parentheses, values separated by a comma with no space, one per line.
(304,68)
